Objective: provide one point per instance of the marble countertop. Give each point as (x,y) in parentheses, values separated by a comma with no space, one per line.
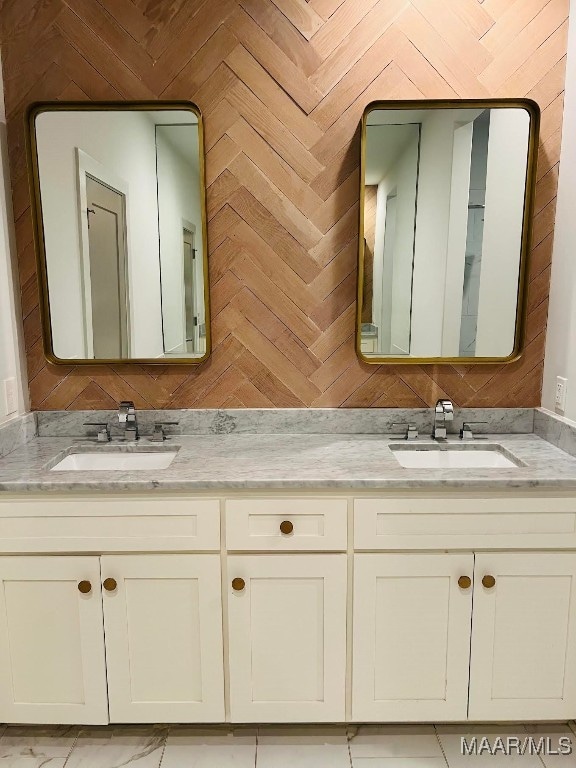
(259,461)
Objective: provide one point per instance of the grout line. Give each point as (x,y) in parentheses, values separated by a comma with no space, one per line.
(168,732)
(441,747)
(78,732)
(349,750)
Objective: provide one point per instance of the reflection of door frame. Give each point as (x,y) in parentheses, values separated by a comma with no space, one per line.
(187,226)
(87,165)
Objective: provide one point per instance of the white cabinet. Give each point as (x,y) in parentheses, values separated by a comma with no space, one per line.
(52,667)
(523,662)
(163,622)
(287,637)
(411,636)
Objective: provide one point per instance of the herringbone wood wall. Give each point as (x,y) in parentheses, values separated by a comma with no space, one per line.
(282,84)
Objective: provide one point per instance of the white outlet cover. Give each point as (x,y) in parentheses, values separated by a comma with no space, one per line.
(10,396)
(560,400)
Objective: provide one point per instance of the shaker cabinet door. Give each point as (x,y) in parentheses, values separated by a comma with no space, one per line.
(52,667)
(411,636)
(163,621)
(523,663)
(287,637)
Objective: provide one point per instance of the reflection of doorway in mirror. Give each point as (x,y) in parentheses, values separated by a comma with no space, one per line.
(107,270)
(190,314)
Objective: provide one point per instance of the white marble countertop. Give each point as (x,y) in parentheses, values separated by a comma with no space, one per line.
(260,461)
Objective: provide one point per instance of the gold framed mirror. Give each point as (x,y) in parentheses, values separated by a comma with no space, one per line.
(119,205)
(446,198)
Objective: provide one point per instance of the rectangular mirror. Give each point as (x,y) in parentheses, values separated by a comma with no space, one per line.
(120,205)
(445,207)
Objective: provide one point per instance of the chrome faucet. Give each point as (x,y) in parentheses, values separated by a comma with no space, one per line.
(127,419)
(443,412)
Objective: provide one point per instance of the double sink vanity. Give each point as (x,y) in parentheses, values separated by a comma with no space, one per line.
(275,566)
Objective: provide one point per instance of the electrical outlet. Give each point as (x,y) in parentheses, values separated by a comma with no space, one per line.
(10,396)
(561,385)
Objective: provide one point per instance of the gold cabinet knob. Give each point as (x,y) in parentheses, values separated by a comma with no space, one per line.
(286,527)
(110,585)
(238,584)
(464,582)
(85,587)
(488,581)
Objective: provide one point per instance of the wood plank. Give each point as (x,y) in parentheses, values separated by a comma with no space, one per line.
(372,26)
(274,60)
(274,132)
(281,32)
(344,19)
(255,77)
(276,169)
(526,43)
(275,201)
(273,233)
(457,35)
(301,15)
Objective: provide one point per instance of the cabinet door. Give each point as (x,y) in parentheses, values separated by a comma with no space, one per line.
(287,638)
(52,667)
(523,663)
(163,623)
(411,637)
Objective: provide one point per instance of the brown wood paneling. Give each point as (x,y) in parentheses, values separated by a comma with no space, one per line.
(282,85)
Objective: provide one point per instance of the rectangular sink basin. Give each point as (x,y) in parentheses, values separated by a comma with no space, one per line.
(114,461)
(451,457)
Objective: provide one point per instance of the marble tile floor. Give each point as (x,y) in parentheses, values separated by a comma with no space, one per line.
(400,746)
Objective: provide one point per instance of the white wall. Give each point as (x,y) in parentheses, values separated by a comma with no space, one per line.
(560,357)
(123,142)
(456,244)
(393,271)
(179,193)
(502,240)
(11,346)
(432,231)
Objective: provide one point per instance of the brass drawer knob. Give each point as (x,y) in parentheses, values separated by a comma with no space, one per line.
(238,584)
(464,582)
(286,527)
(85,587)
(110,585)
(488,581)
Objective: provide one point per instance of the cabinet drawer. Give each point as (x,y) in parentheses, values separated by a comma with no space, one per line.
(109,524)
(400,523)
(307,524)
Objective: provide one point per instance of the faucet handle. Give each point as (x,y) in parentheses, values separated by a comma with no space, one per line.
(466,431)
(411,430)
(158,435)
(103,434)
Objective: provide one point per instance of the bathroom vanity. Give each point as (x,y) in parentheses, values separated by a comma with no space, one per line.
(287,578)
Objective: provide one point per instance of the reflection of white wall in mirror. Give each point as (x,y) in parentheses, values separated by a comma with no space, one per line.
(124,142)
(392,164)
(179,190)
(505,183)
(433,228)
(457,231)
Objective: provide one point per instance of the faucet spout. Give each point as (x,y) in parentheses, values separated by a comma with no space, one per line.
(127,419)
(443,412)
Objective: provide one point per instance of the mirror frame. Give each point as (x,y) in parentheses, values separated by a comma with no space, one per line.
(34,110)
(534,112)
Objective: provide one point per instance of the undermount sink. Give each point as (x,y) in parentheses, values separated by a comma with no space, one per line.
(453,457)
(114,461)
